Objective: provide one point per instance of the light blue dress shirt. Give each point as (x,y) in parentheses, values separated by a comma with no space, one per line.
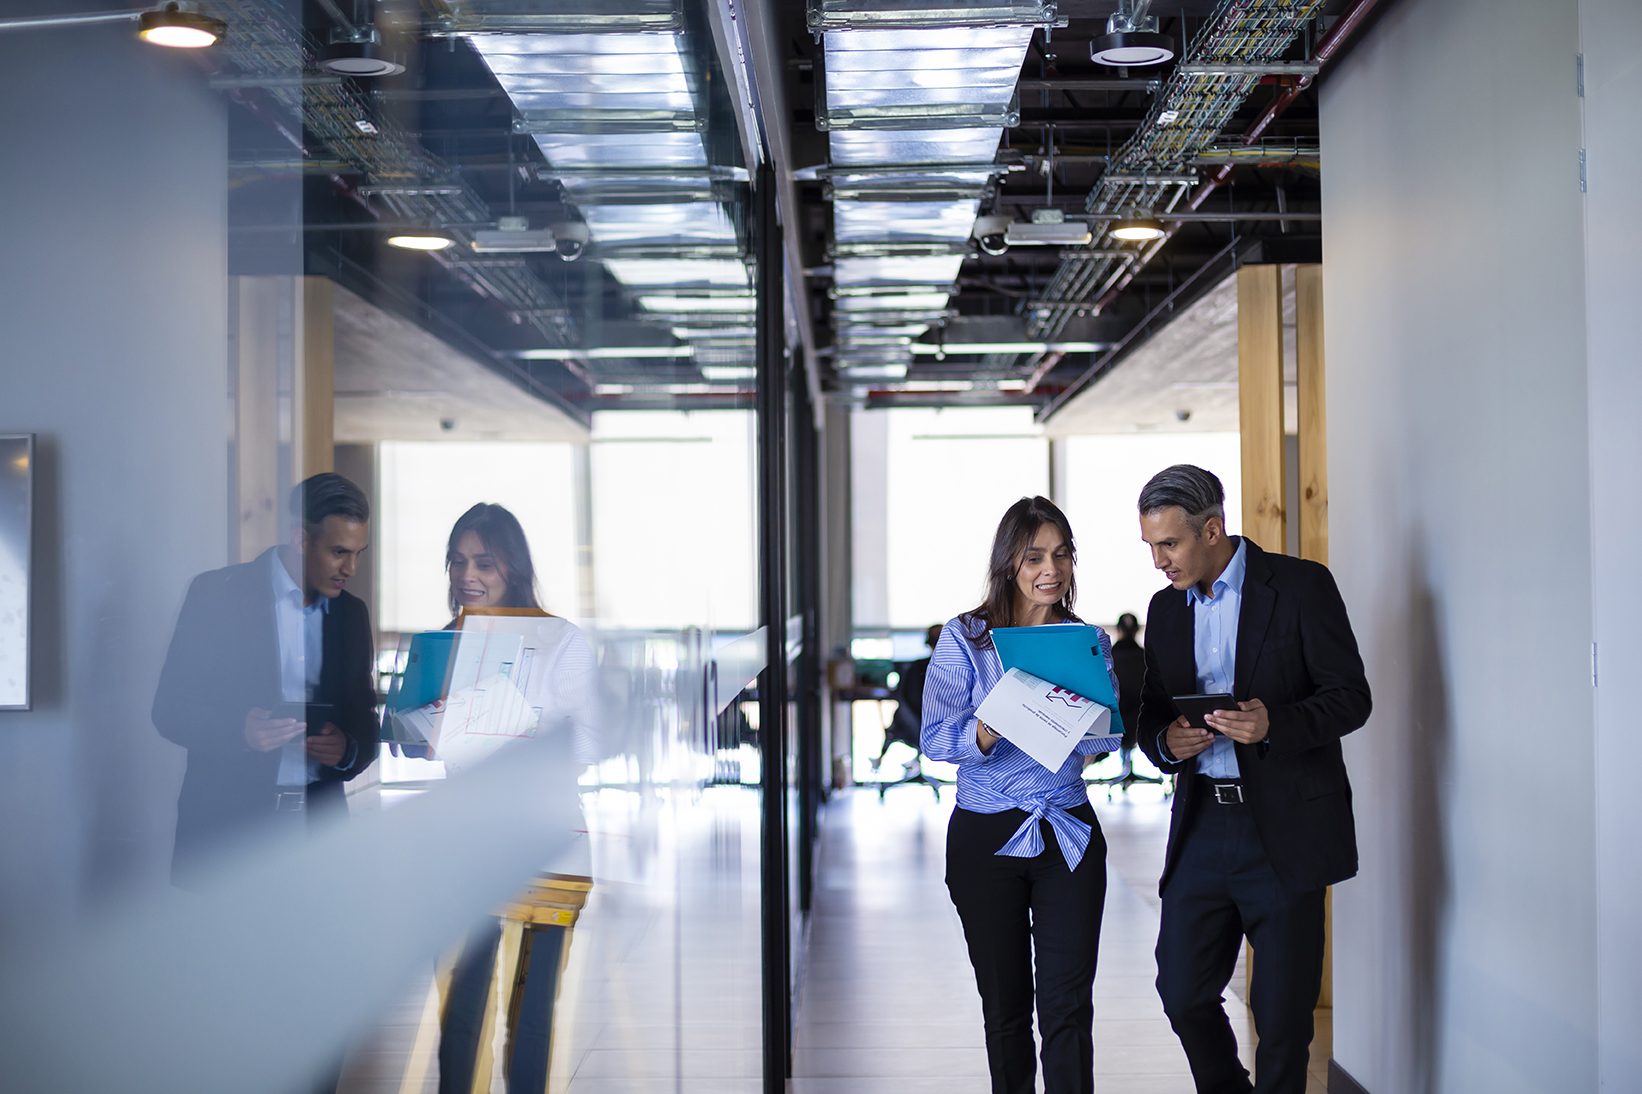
(960,677)
(1214,643)
(301,629)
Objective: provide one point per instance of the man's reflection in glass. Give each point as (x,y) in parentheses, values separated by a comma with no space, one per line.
(268,682)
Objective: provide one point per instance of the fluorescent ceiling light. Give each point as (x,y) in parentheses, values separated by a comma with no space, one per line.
(604,353)
(714,333)
(874,372)
(932,349)
(678,272)
(897,302)
(421,241)
(938,385)
(1071,233)
(663,389)
(513,241)
(723,304)
(729,372)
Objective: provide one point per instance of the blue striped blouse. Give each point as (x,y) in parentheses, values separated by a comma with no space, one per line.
(960,676)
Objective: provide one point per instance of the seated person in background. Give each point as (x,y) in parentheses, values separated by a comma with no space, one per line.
(255,645)
(908,722)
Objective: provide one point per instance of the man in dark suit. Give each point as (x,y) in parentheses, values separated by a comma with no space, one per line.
(1262,810)
(262,652)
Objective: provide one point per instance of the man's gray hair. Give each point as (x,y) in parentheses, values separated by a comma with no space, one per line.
(1191,488)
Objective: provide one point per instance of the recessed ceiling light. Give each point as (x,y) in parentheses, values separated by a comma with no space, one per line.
(1131,39)
(174,28)
(1131,49)
(421,240)
(361,66)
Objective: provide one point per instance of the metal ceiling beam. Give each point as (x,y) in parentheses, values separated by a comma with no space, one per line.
(762,36)
(1080,83)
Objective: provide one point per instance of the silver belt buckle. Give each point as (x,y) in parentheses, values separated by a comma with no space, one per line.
(1228,793)
(290,801)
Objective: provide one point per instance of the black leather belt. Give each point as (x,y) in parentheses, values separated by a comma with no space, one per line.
(1224,791)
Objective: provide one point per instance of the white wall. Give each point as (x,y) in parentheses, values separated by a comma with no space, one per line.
(1465,954)
(425,486)
(1103,476)
(673,512)
(945,478)
(1611,38)
(113,300)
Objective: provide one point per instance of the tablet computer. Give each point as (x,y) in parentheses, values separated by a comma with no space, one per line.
(315,714)
(1194,707)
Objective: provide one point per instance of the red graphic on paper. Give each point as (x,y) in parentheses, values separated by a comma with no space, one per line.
(1070,698)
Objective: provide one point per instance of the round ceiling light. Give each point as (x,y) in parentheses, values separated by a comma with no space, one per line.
(423,239)
(361,67)
(172,27)
(1138,228)
(1131,49)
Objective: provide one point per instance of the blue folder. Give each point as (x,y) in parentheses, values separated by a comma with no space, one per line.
(427,670)
(1066,655)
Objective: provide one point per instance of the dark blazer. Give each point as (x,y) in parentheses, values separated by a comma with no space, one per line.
(223,661)
(1296,654)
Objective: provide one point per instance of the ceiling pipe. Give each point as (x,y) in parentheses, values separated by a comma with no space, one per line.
(1327,47)
(39,22)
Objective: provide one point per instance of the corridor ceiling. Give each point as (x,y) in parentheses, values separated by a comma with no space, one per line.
(928,144)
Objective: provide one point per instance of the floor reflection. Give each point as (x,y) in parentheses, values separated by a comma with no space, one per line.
(661,990)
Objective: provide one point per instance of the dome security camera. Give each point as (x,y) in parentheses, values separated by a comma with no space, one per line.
(570,238)
(991,233)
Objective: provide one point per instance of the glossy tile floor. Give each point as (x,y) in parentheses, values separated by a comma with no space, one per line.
(662,990)
(889,1002)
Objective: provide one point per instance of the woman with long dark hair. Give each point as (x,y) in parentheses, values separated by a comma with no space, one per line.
(487,560)
(1025,859)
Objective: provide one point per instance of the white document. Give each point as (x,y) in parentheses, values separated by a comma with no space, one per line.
(1044,721)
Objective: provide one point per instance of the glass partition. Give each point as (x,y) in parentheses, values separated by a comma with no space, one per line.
(394,561)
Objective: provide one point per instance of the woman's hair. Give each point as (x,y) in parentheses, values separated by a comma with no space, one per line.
(1016,531)
(505,542)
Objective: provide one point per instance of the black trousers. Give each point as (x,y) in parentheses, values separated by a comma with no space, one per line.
(530,1041)
(1223,888)
(1018,911)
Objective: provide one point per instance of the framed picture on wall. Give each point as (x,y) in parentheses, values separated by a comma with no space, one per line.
(16,536)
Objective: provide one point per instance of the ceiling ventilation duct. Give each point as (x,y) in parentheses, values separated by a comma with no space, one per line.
(1223,64)
(905,86)
(614,96)
(268,51)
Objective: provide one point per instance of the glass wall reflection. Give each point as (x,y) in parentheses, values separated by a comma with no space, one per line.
(394,566)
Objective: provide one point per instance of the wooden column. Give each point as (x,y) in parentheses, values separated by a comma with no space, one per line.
(315,378)
(1260,403)
(1308,310)
(283,368)
(1313,515)
(255,370)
